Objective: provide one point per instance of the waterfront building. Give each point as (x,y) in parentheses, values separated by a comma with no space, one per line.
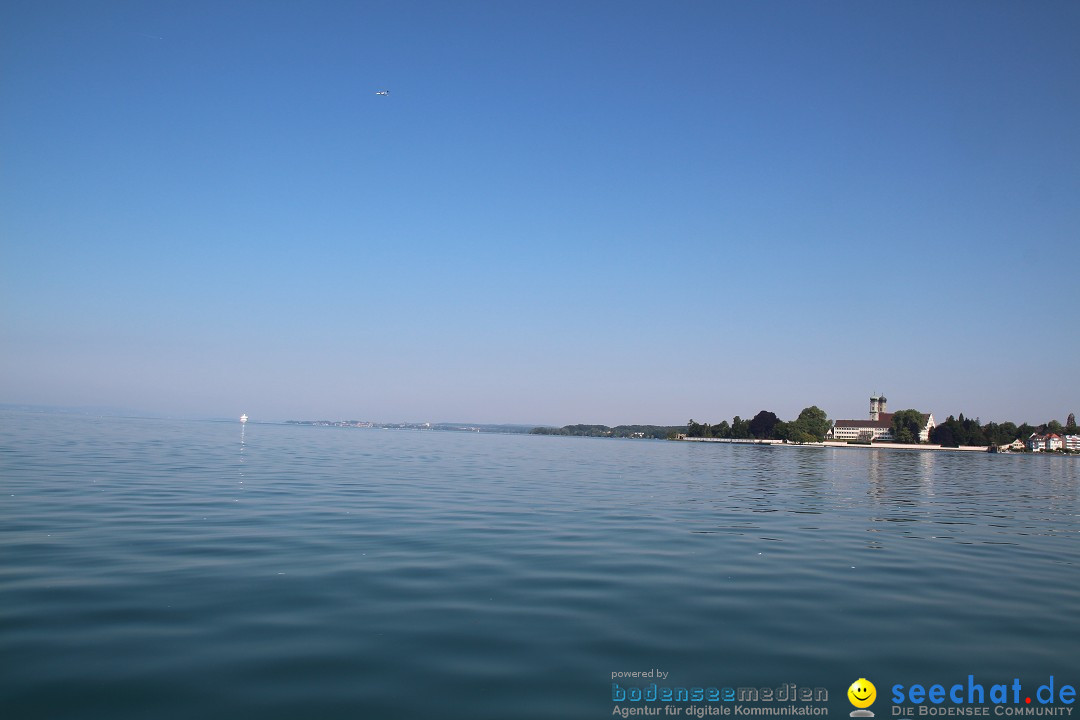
(1045,443)
(878,427)
(1072,443)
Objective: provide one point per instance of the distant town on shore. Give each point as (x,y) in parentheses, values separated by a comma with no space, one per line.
(812,426)
(905,427)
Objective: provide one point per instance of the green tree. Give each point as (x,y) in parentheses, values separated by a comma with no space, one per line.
(792,432)
(945,433)
(812,421)
(740,429)
(1006,433)
(972,434)
(906,426)
(763,425)
(965,431)
(782,430)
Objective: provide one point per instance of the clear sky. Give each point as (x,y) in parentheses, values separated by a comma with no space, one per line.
(603,212)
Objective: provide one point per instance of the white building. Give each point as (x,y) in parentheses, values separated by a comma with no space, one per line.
(1045,443)
(1072,442)
(878,427)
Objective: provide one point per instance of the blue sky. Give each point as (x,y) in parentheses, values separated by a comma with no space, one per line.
(564,212)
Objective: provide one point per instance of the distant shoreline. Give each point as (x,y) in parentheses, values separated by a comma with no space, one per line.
(834,444)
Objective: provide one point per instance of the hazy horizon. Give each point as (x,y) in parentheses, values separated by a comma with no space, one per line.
(155,415)
(614,213)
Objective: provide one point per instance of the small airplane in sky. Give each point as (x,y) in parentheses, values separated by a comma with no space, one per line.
(382,92)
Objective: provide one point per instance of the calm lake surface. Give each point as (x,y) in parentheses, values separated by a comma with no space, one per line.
(163,569)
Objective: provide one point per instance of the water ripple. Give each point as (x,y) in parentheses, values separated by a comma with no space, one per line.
(159,569)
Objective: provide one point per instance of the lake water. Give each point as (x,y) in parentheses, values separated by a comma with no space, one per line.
(163,569)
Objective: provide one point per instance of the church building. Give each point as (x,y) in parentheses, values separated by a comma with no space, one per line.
(878,427)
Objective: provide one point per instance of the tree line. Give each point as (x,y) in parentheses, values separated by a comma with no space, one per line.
(810,426)
(658,432)
(813,424)
(956,431)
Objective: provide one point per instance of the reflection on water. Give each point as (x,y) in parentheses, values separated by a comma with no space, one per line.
(362,573)
(243,431)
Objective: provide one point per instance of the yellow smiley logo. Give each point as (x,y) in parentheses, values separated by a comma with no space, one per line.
(862,693)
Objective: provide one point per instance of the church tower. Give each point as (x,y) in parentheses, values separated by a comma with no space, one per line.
(877,406)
